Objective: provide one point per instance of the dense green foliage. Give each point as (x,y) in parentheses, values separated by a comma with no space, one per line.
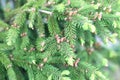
(57,39)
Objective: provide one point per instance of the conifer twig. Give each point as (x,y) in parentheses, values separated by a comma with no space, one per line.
(46,12)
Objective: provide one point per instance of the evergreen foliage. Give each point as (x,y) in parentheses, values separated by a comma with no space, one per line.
(56,39)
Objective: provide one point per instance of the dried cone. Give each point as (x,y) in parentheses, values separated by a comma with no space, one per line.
(89,50)
(11,57)
(76,62)
(32,49)
(45,60)
(96,15)
(33,9)
(67,41)
(58,47)
(40,65)
(92,2)
(56,36)
(66,65)
(97,45)
(43,44)
(49,3)
(25,49)
(70,13)
(109,9)
(33,61)
(7,28)
(72,46)
(41,49)
(23,34)
(58,41)
(42,35)
(65,18)
(14,25)
(100,16)
(68,2)
(75,12)
(9,66)
(63,39)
